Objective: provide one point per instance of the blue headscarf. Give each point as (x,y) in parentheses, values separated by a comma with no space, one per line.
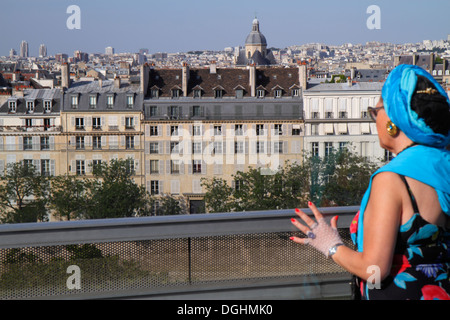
(429,162)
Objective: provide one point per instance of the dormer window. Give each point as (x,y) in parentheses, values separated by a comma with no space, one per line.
(197,93)
(12,105)
(92,102)
(154,93)
(130,101)
(74,102)
(47,106)
(295,92)
(218,93)
(175,93)
(110,102)
(260,93)
(278,93)
(30,106)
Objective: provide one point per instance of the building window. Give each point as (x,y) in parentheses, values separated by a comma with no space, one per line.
(153,111)
(79,123)
(259,129)
(278,93)
(196,111)
(278,147)
(296,131)
(278,129)
(154,187)
(328,148)
(364,115)
(153,130)
(174,130)
(96,123)
(388,155)
(129,142)
(110,102)
(154,93)
(295,92)
(260,147)
(96,164)
(196,166)
(329,115)
(315,149)
(174,166)
(30,106)
(27,143)
(74,102)
(28,123)
(239,147)
(315,115)
(175,93)
(173,112)
(197,147)
(197,93)
(217,130)
(92,102)
(154,166)
(238,185)
(154,147)
(79,143)
(45,143)
(97,142)
(80,169)
(129,122)
(217,147)
(238,130)
(218,93)
(12,106)
(47,106)
(196,130)
(174,147)
(342,115)
(260,93)
(130,102)
(343,145)
(45,168)
(314,129)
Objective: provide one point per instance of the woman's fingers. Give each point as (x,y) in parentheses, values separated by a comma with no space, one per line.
(316,211)
(299,240)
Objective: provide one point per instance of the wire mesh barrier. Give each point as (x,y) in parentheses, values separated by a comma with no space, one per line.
(160,263)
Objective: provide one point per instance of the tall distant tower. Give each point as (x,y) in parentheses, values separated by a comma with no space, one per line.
(42,51)
(24,49)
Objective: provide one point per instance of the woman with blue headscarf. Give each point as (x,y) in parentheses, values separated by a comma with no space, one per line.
(402,231)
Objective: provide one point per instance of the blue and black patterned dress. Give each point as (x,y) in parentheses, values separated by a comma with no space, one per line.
(421,264)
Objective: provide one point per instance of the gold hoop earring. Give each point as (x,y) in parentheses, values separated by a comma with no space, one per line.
(391,128)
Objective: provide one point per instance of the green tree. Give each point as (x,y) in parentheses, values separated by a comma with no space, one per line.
(23,194)
(170,205)
(219,195)
(113,193)
(68,197)
(348,179)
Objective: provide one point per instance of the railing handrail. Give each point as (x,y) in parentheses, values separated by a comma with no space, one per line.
(158,227)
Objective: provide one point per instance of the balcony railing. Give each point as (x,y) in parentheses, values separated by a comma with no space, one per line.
(245,255)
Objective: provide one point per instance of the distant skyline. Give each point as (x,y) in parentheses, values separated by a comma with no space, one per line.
(180,25)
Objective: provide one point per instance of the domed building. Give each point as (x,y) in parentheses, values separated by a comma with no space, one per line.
(255,51)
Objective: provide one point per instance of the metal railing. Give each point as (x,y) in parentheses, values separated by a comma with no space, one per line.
(244,255)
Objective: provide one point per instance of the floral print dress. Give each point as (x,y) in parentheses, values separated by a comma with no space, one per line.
(421,264)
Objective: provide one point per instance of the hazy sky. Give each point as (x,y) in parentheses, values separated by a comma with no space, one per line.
(183,25)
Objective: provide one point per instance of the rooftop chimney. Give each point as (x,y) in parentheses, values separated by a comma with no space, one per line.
(303,76)
(213,67)
(65,75)
(252,79)
(117,82)
(185,79)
